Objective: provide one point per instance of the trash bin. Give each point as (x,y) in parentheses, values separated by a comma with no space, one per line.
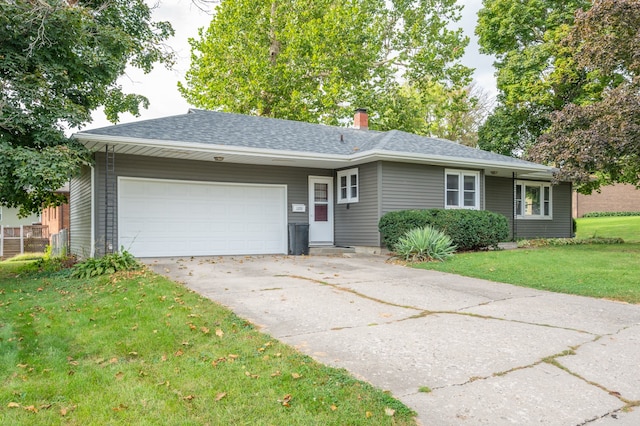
(298,238)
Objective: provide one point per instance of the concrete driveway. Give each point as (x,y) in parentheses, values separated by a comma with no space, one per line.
(490,353)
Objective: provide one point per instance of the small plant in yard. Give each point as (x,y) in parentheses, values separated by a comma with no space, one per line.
(425,244)
(107,264)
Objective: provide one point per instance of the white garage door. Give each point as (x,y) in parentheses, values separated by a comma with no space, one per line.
(180,218)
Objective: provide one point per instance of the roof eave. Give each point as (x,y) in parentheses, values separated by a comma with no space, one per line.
(96,142)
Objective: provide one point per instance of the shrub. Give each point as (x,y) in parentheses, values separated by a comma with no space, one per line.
(107,264)
(396,224)
(468,229)
(610,214)
(425,244)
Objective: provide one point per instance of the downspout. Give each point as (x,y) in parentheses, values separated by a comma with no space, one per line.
(514,227)
(92,250)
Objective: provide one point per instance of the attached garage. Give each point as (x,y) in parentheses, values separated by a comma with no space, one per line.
(185,218)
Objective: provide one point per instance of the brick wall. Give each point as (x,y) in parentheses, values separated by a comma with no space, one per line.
(613,198)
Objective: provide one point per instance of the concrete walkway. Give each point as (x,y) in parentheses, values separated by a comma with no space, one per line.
(490,353)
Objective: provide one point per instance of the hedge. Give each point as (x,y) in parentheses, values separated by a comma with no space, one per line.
(610,214)
(469,229)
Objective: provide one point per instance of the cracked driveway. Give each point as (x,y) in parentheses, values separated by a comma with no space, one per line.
(490,353)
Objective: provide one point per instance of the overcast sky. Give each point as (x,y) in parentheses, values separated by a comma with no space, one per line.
(160,86)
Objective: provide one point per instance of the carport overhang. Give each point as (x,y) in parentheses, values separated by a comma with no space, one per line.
(260,156)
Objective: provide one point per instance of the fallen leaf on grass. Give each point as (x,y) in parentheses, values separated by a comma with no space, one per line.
(276,374)
(178,353)
(389,412)
(119,408)
(368,414)
(220,396)
(219,333)
(189,397)
(31,408)
(119,375)
(253,376)
(286,400)
(205,330)
(13,405)
(333,407)
(296,376)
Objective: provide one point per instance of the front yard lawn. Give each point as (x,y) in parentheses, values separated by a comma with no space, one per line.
(136,348)
(598,270)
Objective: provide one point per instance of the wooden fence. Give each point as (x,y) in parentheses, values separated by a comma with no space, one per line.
(16,240)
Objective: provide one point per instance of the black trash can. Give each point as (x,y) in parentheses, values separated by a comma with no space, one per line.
(298,239)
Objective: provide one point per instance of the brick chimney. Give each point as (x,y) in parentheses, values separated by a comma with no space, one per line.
(361,119)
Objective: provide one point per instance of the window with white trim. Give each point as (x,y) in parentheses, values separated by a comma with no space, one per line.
(348,186)
(462,189)
(533,200)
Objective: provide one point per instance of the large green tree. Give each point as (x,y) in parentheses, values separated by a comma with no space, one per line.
(59,61)
(318,60)
(597,142)
(536,73)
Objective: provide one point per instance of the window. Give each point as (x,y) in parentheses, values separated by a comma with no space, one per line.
(533,200)
(348,186)
(461,189)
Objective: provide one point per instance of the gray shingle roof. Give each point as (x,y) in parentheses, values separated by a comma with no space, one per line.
(236,130)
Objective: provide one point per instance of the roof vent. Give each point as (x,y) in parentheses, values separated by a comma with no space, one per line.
(361,119)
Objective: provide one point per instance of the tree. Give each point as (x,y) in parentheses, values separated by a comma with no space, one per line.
(597,142)
(316,61)
(59,60)
(535,72)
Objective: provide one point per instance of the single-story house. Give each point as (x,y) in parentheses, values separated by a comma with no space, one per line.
(213,183)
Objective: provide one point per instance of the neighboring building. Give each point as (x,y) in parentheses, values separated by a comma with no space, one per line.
(613,198)
(57,218)
(212,183)
(20,234)
(10,217)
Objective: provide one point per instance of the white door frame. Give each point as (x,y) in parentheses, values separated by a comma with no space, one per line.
(321,232)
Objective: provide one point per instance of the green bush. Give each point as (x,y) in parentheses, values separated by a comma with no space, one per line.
(468,229)
(425,244)
(610,214)
(108,264)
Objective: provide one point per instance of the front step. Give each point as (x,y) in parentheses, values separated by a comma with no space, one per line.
(329,250)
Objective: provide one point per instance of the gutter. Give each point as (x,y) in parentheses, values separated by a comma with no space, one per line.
(347,159)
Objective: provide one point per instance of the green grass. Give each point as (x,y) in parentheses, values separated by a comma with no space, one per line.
(625,227)
(25,257)
(136,348)
(598,270)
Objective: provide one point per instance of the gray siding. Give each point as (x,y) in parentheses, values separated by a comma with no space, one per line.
(296,178)
(500,199)
(356,224)
(80,214)
(561,226)
(411,186)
